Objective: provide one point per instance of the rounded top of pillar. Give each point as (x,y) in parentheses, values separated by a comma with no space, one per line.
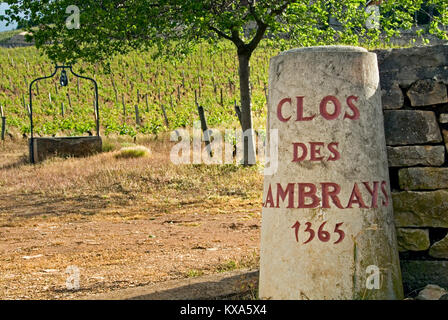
(327,49)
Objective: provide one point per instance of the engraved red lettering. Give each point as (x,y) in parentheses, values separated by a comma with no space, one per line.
(300,116)
(337,108)
(269,199)
(356,197)
(315,151)
(351,105)
(335,153)
(296,147)
(311,193)
(373,192)
(279,109)
(386,195)
(333,194)
(289,192)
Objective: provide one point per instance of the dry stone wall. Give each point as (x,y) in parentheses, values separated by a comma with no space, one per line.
(415,101)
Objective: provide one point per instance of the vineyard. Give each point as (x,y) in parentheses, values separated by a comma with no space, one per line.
(139,95)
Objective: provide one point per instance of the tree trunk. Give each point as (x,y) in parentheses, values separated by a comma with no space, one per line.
(246,112)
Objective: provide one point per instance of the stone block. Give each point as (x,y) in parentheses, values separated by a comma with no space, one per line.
(443,118)
(418,273)
(428,178)
(290,269)
(412,239)
(421,209)
(44,148)
(404,127)
(427,92)
(440,249)
(431,292)
(412,57)
(408,65)
(445,138)
(407,156)
(392,98)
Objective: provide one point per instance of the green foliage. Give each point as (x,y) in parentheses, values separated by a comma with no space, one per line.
(117,34)
(160,80)
(115,27)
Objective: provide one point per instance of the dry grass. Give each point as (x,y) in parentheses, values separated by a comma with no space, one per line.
(133,152)
(123,221)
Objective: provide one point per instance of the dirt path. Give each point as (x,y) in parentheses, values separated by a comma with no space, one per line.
(115,254)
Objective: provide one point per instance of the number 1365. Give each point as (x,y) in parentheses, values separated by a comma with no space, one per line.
(322,235)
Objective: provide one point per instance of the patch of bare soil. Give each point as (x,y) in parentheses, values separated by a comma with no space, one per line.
(122,223)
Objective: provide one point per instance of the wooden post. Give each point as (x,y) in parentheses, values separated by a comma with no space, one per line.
(163,110)
(147,103)
(3,123)
(62,109)
(222,101)
(196,98)
(137,116)
(265,92)
(124,105)
(171,104)
(205,129)
(23,101)
(69,101)
(165,116)
(115,89)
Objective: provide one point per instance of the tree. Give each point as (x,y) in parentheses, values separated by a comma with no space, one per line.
(110,27)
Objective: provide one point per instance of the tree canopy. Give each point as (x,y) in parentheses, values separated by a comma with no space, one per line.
(109,27)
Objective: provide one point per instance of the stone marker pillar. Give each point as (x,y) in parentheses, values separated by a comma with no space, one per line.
(327,227)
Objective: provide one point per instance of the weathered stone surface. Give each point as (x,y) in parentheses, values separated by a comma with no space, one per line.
(417,274)
(444,297)
(412,57)
(445,138)
(440,249)
(412,239)
(409,65)
(428,178)
(326,268)
(443,118)
(407,156)
(405,127)
(427,92)
(431,292)
(44,148)
(421,209)
(392,98)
